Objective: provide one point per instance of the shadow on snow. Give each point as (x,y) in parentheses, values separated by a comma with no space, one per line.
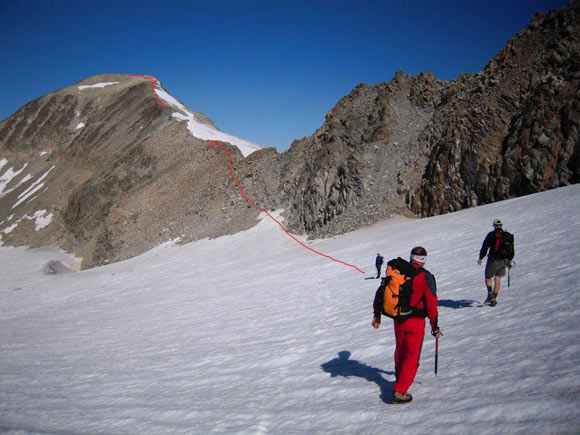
(343,366)
(463,303)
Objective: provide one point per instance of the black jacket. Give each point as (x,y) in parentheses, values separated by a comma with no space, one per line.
(488,244)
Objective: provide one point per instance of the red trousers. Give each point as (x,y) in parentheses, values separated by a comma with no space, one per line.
(409,336)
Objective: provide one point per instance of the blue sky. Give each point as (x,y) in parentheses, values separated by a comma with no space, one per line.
(267,71)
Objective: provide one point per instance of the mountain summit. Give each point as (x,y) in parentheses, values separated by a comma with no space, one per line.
(115,165)
(110,167)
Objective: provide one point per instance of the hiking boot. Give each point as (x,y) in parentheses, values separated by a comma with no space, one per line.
(490,296)
(400,398)
(492,301)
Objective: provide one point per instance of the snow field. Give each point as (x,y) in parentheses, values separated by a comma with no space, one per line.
(251,333)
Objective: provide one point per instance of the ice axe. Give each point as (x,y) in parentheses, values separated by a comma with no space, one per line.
(436,352)
(509,269)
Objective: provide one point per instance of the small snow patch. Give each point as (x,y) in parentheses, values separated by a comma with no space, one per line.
(41,219)
(9,229)
(8,176)
(98,85)
(34,187)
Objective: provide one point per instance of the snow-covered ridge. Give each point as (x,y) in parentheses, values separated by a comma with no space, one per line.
(97,85)
(197,128)
(202,130)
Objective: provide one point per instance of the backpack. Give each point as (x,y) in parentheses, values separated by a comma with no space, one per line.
(503,245)
(394,293)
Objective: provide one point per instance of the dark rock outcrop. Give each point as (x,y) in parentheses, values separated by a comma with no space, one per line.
(361,164)
(512,129)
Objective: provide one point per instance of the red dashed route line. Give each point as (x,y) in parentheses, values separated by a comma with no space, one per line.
(215,143)
(153,81)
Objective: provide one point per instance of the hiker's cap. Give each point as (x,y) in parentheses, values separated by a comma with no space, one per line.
(419,255)
(497,223)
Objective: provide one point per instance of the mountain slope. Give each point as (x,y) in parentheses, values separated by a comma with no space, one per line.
(250,333)
(113,173)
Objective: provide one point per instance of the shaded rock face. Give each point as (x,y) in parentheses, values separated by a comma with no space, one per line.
(511,129)
(361,164)
(102,170)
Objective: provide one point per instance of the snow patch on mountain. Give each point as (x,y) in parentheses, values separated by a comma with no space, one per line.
(203,130)
(41,219)
(97,85)
(8,175)
(32,189)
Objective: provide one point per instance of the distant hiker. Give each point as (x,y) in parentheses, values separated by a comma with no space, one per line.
(500,245)
(417,293)
(379,263)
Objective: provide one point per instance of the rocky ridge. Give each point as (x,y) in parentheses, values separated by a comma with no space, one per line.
(360,166)
(512,129)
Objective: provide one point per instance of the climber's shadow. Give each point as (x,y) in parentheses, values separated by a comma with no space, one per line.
(343,366)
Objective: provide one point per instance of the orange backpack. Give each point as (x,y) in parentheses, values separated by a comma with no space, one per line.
(396,289)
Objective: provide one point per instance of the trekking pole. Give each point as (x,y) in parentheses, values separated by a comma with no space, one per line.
(436,352)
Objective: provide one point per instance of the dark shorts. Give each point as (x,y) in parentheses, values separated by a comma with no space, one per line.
(495,267)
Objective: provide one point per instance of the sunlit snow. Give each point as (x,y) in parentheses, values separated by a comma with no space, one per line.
(202,130)
(97,85)
(251,333)
(7,177)
(32,189)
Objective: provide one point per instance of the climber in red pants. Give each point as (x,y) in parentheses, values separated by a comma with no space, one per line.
(409,333)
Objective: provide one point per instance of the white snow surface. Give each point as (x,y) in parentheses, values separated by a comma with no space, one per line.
(8,176)
(202,130)
(41,219)
(251,333)
(33,188)
(97,85)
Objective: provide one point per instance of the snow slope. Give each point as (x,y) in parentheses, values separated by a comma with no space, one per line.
(201,129)
(196,127)
(251,333)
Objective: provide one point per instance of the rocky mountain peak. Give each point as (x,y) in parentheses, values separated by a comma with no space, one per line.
(100,169)
(511,129)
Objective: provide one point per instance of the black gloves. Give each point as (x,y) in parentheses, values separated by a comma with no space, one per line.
(435,329)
